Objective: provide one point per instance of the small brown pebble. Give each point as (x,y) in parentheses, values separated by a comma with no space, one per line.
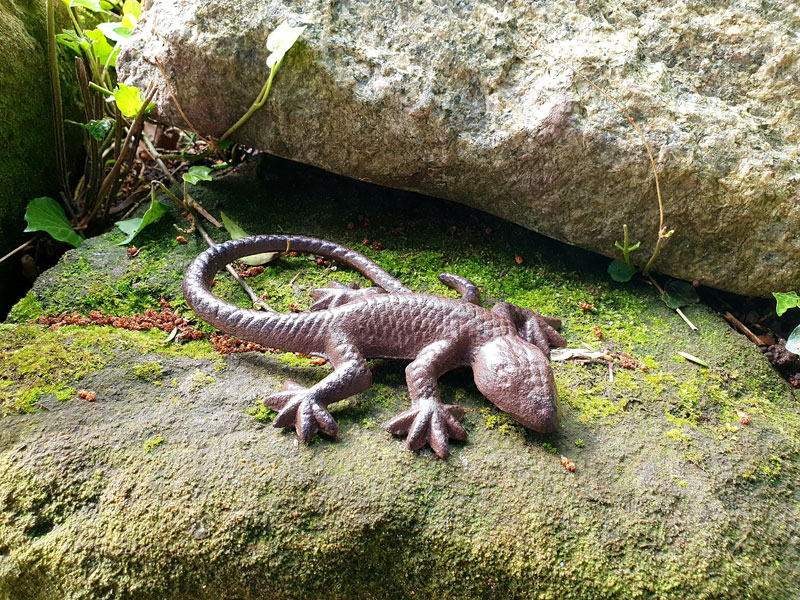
(518,259)
(87,395)
(181,240)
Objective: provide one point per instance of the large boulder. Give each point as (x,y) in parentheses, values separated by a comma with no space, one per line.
(27,140)
(480,103)
(171,484)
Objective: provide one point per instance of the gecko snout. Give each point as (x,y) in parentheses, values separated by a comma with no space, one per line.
(516,376)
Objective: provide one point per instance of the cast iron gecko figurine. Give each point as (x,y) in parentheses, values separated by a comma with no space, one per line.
(507,347)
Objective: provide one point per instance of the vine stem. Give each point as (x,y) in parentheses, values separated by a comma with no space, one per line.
(258,103)
(58,115)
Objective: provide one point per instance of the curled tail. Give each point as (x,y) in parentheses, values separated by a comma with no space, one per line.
(294,332)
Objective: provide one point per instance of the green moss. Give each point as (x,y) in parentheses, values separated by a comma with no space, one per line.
(549,448)
(27,309)
(37,362)
(150,371)
(153,442)
(261,412)
(199,379)
(494,419)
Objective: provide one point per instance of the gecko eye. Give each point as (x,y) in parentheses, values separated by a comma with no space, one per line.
(516,376)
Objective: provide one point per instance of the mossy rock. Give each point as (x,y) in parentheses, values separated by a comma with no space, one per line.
(173,485)
(27,139)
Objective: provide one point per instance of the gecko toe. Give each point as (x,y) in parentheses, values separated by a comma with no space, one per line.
(400,424)
(418,432)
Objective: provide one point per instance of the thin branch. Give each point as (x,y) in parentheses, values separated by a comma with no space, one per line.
(258,303)
(663,234)
(208,141)
(20,248)
(691,325)
(191,202)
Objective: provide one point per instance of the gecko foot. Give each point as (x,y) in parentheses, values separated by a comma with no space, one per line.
(297,406)
(432,423)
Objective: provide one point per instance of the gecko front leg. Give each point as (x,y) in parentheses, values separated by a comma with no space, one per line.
(307,408)
(428,421)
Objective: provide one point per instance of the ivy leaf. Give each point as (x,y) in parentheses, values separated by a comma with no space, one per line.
(679,293)
(280,40)
(236,233)
(92,5)
(132,8)
(70,39)
(793,343)
(115,31)
(99,129)
(45,214)
(195,174)
(129,100)
(621,271)
(785,301)
(133,226)
(105,52)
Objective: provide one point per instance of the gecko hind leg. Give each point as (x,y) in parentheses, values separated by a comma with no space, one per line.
(307,408)
(468,290)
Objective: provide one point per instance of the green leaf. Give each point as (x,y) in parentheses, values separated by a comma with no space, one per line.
(195,174)
(45,214)
(129,100)
(785,301)
(92,5)
(99,129)
(101,48)
(115,31)
(793,343)
(621,271)
(236,233)
(132,8)
(280,40)
(679,293)
(133,226)
(70,39)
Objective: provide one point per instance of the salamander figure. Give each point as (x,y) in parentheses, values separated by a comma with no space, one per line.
(508,347)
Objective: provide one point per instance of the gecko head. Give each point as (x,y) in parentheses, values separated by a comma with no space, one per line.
(516,377)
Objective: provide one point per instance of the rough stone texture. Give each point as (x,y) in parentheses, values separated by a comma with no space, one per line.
(672,497)
(454,100)
(27,157)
